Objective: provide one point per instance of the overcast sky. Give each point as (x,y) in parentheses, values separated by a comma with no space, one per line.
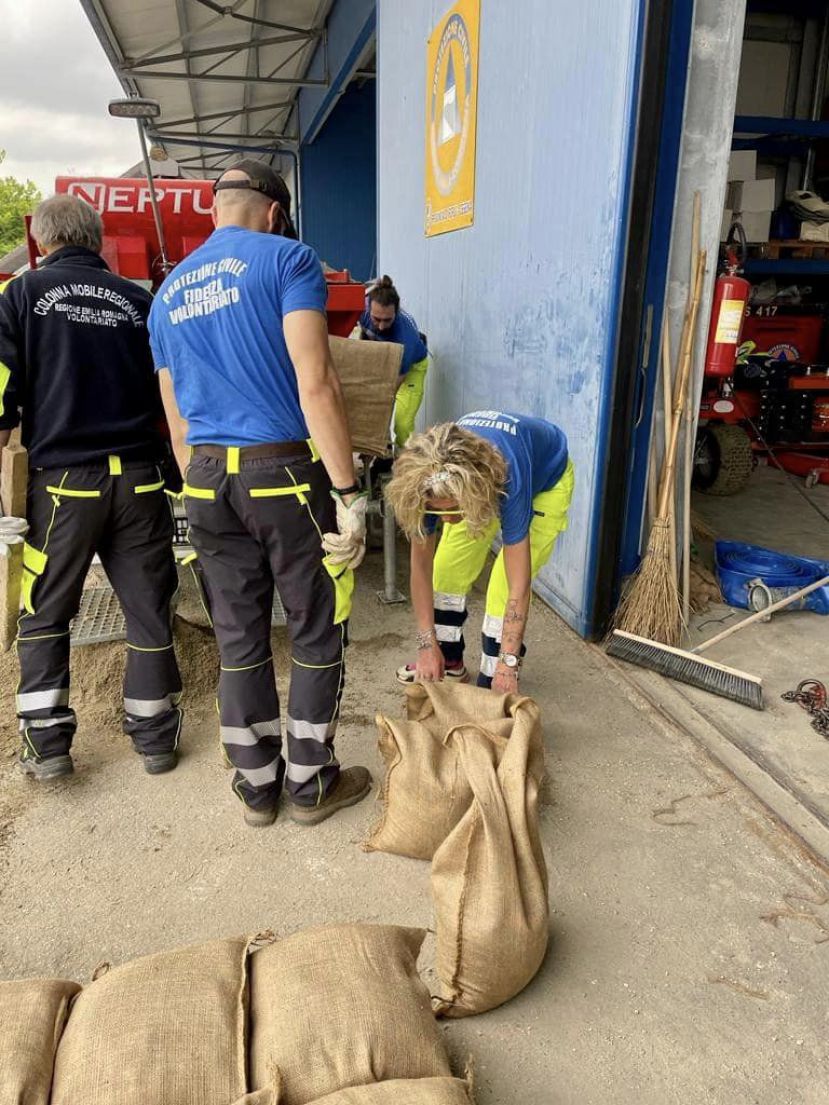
(55,83)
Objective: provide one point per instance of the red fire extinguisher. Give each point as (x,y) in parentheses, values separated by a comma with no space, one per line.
(728,310)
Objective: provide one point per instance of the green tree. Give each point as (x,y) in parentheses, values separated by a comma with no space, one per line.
(16,200)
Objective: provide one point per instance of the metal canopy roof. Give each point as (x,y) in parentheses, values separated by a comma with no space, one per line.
(226,74)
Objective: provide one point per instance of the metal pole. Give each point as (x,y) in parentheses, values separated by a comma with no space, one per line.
(817,98)
(297,186)
(390,594)
(159,226)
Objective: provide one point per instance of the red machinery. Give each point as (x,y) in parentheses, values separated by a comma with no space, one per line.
(778,394)
(131,245)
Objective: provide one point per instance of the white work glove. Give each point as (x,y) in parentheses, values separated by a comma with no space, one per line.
(348,546)
(12,530)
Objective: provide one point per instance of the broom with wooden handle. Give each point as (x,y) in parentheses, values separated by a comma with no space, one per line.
(699,671)
(688,451)
(651,606)
(668,409)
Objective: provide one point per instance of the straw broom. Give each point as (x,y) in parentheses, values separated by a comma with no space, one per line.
(651,607)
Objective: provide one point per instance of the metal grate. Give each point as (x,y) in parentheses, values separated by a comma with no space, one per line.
(278,615)
(99,619)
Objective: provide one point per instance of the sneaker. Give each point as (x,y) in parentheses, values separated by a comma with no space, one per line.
(351,787)
(455,672)
(258,819)
(157,763)
(52,767)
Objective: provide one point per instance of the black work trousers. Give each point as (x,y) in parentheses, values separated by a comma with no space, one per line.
(120,511)
(256,526)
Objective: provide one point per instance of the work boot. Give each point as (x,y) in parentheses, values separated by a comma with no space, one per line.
(259,819)
(351,787)
(157,763)
(52,767)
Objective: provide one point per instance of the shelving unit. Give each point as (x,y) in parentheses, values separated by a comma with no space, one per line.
(777,137)
(766,266)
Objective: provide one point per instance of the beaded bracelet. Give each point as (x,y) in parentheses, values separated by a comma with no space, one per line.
(425,640)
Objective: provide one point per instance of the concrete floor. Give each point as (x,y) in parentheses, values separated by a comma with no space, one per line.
(771,513)
(689,961)
(790,648)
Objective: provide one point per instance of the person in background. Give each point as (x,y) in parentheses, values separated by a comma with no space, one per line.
(75,357)
(489,470)
(241,345)
(383,320)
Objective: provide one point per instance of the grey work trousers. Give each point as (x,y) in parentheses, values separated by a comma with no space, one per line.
(254,528)
(120,511)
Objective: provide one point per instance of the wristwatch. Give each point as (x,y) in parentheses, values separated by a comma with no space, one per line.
(510,660)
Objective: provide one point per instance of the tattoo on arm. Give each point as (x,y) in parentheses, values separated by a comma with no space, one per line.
(512,614)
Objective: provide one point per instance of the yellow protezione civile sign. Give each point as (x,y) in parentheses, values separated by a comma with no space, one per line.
(451,102)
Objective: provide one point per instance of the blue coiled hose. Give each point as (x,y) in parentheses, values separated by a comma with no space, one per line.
(774,568)
(738,565)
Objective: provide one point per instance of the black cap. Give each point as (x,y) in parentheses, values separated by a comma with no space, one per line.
(263,179)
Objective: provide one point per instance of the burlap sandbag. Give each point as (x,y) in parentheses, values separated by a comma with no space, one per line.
(32,1016)
(425,792)
(167,1028)
(489,878)
(369,372)
(416,1091)
(339,1006)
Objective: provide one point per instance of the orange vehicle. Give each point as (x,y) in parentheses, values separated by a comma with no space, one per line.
(131,244)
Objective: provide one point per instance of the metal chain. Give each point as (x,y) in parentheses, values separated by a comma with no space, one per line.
(812,697)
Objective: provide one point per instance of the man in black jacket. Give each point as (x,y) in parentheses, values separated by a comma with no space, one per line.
(75,358)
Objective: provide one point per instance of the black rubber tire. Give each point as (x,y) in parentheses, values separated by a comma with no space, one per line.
(728,459)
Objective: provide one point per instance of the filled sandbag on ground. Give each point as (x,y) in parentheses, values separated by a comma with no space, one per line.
(426,792)
(167,1028)
(33,1013)
(417,1091)
(338,1006)
(489,877)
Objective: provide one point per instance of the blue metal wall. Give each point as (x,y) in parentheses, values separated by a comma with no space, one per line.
(339,185)
(350,30)
(521,308)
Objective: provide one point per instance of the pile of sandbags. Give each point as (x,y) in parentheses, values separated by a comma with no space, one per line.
(168,1028)
(426,791)
(33,1013)
(342,1006)
(329,1016)
(463,775)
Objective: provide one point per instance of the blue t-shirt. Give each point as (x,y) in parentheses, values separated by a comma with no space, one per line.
(216,324)
(403,331)
(536,456)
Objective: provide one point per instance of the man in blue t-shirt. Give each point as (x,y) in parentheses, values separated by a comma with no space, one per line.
(383,320)
(489,470)
(240,342)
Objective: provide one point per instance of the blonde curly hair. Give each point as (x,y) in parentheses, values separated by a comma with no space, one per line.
(447,462)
